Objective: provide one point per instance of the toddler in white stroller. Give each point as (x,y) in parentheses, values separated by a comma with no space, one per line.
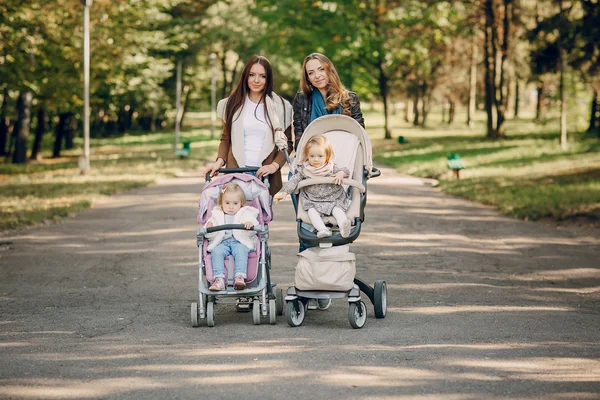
(327,270)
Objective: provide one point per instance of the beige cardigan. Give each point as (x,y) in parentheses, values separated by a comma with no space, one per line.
(231,147)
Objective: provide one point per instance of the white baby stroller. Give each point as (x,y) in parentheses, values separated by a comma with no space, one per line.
(258,282)
(327,270)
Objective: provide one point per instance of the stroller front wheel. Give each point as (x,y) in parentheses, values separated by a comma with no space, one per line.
(256,312)
(357,314)
(194,314)
(210,314)
(294,313)
(272,312)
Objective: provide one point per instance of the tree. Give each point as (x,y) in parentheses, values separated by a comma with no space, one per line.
(497,48)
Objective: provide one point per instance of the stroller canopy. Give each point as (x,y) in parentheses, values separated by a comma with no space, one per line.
(336,127)
(252,187)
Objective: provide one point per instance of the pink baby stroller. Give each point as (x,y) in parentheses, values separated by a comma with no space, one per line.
(258,282)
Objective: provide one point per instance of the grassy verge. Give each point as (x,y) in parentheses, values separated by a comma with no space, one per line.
(526,175)
(52,188)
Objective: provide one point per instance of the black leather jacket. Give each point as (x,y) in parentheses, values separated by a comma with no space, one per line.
(302,106)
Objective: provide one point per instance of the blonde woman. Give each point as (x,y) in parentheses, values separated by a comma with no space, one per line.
(321,93)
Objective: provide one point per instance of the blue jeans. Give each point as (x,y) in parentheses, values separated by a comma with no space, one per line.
(228,247)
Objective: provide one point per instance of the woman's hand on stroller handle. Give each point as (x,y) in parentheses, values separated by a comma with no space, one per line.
(212,169)
(267,169)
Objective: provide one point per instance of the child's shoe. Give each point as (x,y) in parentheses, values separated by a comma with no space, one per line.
(239,283)
(323,233)
(345,228)
(217,285)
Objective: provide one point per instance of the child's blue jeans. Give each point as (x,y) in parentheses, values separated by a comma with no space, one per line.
(227,247)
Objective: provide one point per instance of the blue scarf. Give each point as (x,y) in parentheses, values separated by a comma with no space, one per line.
(318,106)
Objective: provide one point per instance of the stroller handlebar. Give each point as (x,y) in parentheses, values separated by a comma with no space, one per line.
(232,171)
(203,231)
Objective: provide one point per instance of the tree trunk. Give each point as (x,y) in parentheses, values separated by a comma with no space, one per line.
(517,99)
(383,91)
(408,110)
(70,128)
(489,63)
(224,70)
(416,112)
(40,129)
(539,108)
(3,124)
(23,121)
(443,111)
(451,112)
(185,96)
(59,133)
(595,113)
(426,104)
(563,108)
(502,99)
(472,85)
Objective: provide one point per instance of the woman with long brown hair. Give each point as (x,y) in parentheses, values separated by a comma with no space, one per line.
(252,115)
(321,93)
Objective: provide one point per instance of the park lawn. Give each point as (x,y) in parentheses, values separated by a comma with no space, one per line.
(49,189)
(526,175)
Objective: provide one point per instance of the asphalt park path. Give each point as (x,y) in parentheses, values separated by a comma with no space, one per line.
(480,306)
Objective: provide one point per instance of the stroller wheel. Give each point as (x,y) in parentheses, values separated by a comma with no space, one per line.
(194,314)
(294,313)
(272,312)
(210,314)
(380,299)
(256,312)
(279,303)
(357,314)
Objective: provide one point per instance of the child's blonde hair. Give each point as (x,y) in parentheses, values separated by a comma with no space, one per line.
(322,142)
(235,189)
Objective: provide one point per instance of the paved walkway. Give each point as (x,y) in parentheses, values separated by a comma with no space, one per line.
(480,307)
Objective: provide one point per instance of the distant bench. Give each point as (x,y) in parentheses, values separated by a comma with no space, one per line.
(184,151)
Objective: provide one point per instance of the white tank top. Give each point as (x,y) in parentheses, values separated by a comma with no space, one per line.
(255,130)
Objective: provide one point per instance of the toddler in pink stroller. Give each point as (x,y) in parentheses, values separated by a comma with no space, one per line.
(251,281)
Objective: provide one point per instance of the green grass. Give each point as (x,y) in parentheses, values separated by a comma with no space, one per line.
(50,189)
(526,175)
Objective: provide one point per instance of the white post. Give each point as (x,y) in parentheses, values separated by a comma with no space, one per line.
(86,85)
(177,104)
(213,94)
